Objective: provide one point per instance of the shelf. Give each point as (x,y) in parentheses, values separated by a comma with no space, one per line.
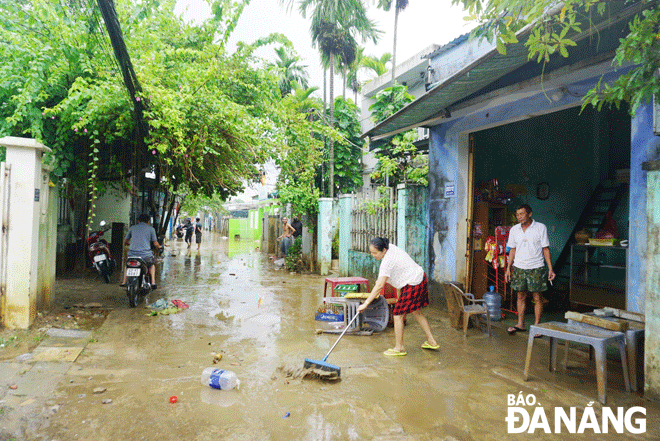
(591,286)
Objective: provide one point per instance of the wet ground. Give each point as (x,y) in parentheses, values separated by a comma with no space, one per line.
(260,318)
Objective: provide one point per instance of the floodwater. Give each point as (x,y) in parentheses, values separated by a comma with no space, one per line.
(261,318)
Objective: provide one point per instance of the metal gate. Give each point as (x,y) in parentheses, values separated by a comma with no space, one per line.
(5,186)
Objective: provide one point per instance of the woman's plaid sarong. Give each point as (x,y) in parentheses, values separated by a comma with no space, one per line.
(412,298)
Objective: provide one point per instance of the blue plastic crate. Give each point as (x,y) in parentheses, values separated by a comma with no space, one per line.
(327,317)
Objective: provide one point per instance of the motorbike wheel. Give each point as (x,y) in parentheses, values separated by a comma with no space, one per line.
(133,296)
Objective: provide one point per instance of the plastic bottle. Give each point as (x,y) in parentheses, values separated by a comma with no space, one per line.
(493,304)
(220,379)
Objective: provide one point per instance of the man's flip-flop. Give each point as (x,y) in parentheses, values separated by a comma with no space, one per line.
(427,345)
(394,353)
(513,329)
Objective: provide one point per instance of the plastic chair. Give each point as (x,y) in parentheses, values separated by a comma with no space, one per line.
(471,307)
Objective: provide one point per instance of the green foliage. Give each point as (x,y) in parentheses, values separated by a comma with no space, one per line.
(209,113)
(193,203)
(348,154)
(293,261)
(553,29)
(398,161)
(389,101)
(334,254)
(383,201)
(289,71)
(377,65)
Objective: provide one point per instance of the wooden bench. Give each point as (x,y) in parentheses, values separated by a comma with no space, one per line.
(599,339)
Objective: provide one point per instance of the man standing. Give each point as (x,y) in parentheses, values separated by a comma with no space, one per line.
(287,236)
(198,233)
(190,228)
(140,237)
(529,244)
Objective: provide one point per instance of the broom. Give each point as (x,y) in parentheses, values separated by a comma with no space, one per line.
(321,364)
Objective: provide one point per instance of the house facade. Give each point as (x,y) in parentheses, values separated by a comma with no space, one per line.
(505,131)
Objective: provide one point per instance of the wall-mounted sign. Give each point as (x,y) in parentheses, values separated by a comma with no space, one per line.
(36,194)
(450,190)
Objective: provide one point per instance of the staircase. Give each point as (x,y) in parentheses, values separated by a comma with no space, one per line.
(606,197)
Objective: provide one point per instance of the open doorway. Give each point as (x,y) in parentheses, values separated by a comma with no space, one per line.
(570,167)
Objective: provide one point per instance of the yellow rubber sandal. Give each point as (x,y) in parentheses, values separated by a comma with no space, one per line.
(427,345)
(394,353)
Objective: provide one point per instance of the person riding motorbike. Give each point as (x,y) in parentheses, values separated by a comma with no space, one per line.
(140,237)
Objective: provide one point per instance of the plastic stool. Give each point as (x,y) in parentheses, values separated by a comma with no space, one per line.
(377,315)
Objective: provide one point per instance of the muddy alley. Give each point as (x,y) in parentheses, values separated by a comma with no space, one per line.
(252,317)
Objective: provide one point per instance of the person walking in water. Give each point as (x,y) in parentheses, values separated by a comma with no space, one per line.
(403,273)
(189,227)
(198,233)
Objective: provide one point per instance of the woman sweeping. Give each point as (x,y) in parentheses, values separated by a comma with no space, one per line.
(398,268)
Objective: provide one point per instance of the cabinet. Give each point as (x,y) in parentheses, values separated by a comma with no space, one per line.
(487,216)
(598,275)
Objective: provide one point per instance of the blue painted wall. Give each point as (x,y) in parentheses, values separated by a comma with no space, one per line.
(645,147)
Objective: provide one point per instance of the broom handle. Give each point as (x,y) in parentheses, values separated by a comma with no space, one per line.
(341,335)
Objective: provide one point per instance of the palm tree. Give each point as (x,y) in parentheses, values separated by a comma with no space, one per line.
(290,70)
(399,6)
(335,26)
(301,99)
(353,69)
(377,65)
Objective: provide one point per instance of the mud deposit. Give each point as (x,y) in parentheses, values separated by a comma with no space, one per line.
(260,320)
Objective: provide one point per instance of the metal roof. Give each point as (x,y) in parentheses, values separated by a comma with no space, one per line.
(430,108)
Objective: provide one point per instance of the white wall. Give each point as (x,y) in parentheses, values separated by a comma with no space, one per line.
(113,206)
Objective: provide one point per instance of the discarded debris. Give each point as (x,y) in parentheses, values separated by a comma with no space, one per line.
(13,387)
(308,374)
(106,401)
(99,390)
(163,307)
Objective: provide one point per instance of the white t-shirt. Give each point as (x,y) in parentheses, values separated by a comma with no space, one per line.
(399,267)
(529,245)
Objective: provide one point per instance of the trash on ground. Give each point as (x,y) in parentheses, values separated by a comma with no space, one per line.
(24,357)
(163,307)
(286,415)
(308,373)
(279,262)
(173,399)
(106,401)
(99,390)
(220,379)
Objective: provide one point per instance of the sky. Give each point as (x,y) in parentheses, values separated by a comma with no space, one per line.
(422,23)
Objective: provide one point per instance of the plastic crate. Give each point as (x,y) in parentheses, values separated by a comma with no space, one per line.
(328,317)
(345,289)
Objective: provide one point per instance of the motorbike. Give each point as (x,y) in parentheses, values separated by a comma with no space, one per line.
(138,280)
(99,254)
(179,232)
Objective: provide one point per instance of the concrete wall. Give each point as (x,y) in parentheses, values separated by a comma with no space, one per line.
(652,282)
(327,225)
(412,222)
(644,147)
(113,206)
(28,246)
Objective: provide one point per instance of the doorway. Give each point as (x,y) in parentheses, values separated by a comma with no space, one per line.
(555,163)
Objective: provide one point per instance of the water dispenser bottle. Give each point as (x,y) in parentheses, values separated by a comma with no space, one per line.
(493,304)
